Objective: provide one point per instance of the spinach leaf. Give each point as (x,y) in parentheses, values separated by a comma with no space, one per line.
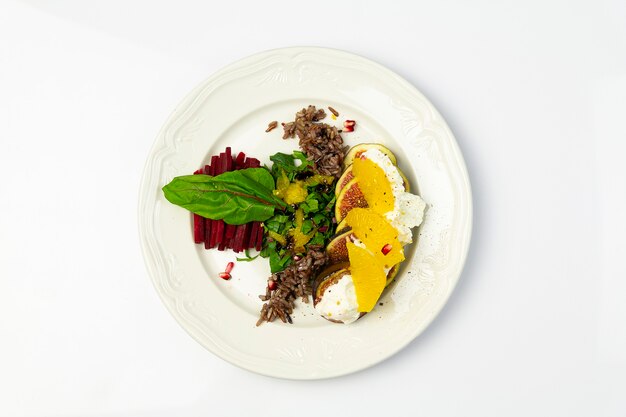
(310,204)
(307,226)
(287,163)
(278,223)
(320,220)
(282,159)
(237,197)
(268,248)
(279,261)
(305,163)
(317,239)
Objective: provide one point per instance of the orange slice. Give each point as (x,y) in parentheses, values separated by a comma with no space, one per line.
(368,276)
(374,185)
(378,235)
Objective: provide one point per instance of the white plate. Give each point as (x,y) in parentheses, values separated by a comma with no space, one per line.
(233,108)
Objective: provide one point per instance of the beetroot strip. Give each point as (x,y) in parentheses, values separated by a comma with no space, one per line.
(207,234)
(238,239)
(198,222)
(214,160)
(245,232)
(221,226)
(230,231)
(198,228)
(259,238)
(213,235)
(220,232)
(212,226)
(252,238)
(241,157)
(229,159)
(245,236)
(223,162)
(214,170)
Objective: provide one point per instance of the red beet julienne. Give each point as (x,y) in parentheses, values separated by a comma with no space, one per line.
(216,233)
(199,223)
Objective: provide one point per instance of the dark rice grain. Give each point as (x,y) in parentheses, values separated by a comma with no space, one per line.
(292,283)
(321,142)
(271,126)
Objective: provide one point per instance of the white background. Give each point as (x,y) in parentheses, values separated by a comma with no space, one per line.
(535,92)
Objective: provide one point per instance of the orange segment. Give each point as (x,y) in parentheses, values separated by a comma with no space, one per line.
(376,232)
(374,185)
(368,276)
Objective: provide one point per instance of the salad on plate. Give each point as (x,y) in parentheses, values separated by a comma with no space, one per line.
(331,222)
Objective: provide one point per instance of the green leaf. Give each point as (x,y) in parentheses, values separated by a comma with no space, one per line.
(248,258)
(260,175)
(318,239)
(310,204)
(273,225)
(307,226)
(303,159)
(289,164)
(331,203)
(279,261)
(320,219)
(282,159)
(268,248)
(237,197)
(278,223)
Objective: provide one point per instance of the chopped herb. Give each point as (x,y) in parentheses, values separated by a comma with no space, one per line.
(248,258)
(303,223)
(307,226)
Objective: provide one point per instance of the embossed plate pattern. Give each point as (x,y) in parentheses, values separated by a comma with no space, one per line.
(233,108)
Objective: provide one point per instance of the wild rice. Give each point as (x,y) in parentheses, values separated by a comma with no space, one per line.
(291,283)
(271,126)
(321,142)
(333,111)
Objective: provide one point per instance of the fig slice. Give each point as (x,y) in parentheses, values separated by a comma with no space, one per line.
(345,178)
(336,248)
(327,277)
(357,150)
(392,274)
(350,197)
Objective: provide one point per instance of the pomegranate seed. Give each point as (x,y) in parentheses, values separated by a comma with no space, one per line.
(229,267)
(296,258)
(271,284)
(322,229)
(348,125)
(386,249)
(225,275)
